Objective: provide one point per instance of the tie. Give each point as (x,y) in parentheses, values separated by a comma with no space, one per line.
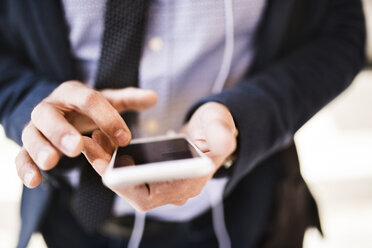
(122,43)
(118,68)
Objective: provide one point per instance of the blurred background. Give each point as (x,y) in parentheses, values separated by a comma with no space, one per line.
(335,149)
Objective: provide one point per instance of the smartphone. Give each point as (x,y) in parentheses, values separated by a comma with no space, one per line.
(156,159)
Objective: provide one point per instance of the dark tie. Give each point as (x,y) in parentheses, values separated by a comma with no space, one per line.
(118,68)
(122,43)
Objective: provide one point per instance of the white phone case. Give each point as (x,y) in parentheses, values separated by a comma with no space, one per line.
(158,171)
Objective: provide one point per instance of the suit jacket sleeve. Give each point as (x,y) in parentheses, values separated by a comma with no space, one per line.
(20,87)
(20,91)
(269,107)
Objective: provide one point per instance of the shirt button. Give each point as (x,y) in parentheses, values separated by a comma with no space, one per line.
(156,44)
(151,126)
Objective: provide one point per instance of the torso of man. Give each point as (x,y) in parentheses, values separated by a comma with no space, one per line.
(182,55)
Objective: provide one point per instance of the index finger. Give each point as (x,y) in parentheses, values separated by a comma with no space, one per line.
(89,102)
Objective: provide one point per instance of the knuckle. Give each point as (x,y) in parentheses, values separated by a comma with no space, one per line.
(38,112)
(60,89)
(65,88)
(19,172)
(35,112)
(89,98)
(68,85)
(65,85)
(26,133)
(17,161)
(20,163)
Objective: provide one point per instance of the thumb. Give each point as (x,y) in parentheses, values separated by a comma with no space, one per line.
(96,155)
(220,139)
(219,129)
(130,99)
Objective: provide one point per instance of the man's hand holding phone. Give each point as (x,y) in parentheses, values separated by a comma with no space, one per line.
(71,109)
(211,129)
(57,124)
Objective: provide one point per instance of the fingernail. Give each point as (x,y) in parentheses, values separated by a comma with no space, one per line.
(42,158)
(121,137)
(70,142)
(29,176)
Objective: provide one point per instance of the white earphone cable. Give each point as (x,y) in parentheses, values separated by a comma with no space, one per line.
(229,48)
(138,229)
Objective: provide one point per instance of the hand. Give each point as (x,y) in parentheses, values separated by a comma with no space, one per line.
(71,109)
(211,128)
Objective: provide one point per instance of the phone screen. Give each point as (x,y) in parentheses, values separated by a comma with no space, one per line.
(156,151)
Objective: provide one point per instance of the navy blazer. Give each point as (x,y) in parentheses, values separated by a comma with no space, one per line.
(307,52)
